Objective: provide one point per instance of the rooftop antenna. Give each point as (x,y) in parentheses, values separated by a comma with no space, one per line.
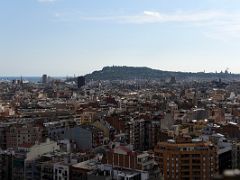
(226,71)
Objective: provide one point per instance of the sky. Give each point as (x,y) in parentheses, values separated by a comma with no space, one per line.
(67,37)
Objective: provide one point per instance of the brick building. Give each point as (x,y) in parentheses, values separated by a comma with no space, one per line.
(187,159)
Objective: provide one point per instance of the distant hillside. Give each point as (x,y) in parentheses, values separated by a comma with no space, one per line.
(127,73)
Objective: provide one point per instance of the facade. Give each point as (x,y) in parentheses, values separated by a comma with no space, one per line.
(123,162)
(47,170)
(22,164)
(61,171)
(199,114)
(81,171)
(225,152)
(225,160)
(3,139)
(136,133)
(142,134)
(236,155)
(85,137)
(18,135)
(18,164)
(6,165)
(187,159)
(152,134)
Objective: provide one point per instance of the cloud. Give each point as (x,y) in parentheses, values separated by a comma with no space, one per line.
(46,1)
(152,13)
(215,24)
(158,17)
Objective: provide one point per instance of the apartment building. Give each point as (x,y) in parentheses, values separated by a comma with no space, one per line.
(187,159)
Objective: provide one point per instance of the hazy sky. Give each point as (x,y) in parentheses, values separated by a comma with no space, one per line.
(66,37)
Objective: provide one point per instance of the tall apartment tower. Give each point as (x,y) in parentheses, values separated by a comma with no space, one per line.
(188,159)
(44,79)
(80,81)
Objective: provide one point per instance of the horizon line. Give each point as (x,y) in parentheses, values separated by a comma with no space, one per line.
(99,69)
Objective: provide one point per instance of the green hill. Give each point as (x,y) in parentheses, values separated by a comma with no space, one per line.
(130,73)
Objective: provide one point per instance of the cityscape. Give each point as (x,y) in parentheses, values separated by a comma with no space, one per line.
(79,128)
(119,90)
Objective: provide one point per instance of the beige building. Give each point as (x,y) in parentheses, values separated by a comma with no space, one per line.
(187,159)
